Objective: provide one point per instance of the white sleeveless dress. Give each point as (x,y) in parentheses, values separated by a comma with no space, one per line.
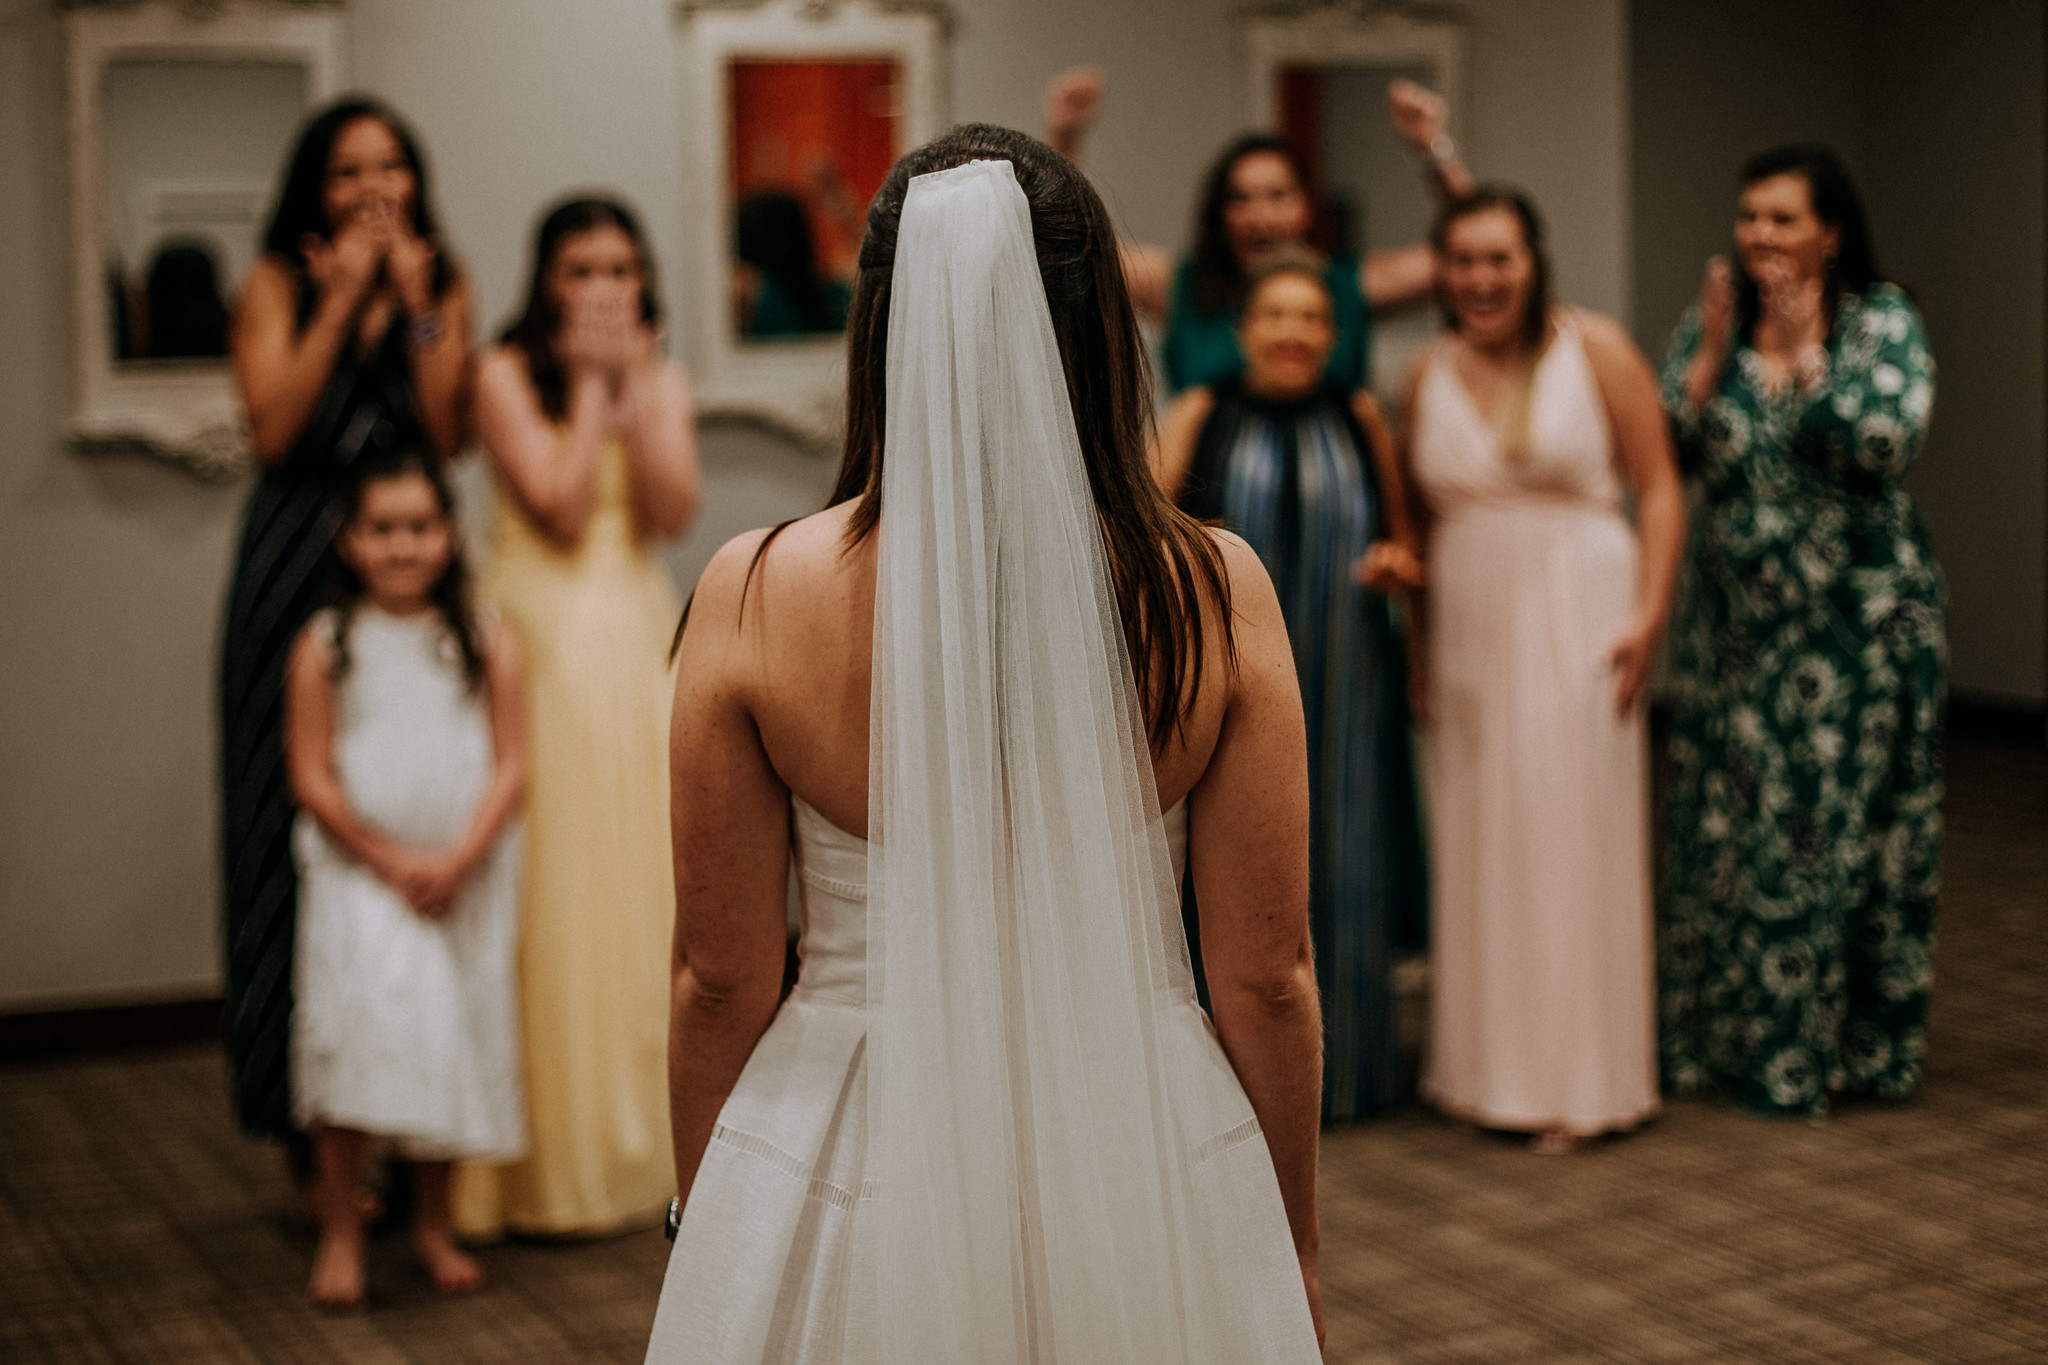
(774,1260)
(406,1027)
(1541,963)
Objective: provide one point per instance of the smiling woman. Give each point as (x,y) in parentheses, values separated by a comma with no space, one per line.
(1299,468)
(350,343)
(1543,611)
(1809,665)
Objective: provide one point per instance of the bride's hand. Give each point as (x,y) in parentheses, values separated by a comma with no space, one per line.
(1311,1281)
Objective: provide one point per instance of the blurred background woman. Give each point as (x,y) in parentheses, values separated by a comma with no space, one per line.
(1255,200)
(1297,466)
(592,434)
(1809,664)
(351,339)
(1543,613)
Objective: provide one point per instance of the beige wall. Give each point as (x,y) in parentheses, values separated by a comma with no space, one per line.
(1938,111)
(111,572)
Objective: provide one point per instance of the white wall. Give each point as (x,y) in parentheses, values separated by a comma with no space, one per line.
(1939,113)
(112,572)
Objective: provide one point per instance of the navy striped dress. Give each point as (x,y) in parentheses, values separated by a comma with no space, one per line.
(1297,482)
(281,577)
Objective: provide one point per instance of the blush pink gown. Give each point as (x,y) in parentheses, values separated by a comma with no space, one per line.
(1542,985)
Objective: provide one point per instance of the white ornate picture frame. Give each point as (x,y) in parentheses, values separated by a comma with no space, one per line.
(795,386)
(1348,35)
(186,412)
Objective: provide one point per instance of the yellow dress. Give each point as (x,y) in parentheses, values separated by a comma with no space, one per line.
(598,898)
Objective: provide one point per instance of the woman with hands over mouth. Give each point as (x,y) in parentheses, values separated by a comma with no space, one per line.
(351,341)
(592,435)
(1539,626)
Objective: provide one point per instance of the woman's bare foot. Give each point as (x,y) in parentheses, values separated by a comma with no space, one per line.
(452,1270)
(337,1282)
(1555,1142)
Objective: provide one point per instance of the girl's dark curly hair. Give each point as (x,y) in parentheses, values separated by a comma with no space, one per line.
(450,595)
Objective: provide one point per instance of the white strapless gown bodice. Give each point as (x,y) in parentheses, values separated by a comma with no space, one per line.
(774,1261)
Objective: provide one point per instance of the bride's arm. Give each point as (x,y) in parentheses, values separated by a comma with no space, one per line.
(1248,849)
(729,821)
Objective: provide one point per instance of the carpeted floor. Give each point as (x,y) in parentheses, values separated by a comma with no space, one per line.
(136,1226)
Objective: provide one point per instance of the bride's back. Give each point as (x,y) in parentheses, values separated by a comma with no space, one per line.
(801,654)
(1020,934)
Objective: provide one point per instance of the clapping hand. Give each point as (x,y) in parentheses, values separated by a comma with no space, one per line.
(1791,321)
(1717,305)
(1717,326)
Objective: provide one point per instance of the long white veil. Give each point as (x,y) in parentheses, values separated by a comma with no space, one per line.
(1025,933)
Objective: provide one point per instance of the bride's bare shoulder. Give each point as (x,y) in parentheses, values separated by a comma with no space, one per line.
(797,563)
(1244,573)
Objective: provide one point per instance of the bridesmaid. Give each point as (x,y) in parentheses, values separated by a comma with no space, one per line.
(351,339)
(1808,667)
(1292,463)
(1541,620)
(592,434)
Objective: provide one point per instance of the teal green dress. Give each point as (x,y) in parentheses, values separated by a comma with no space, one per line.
(1808,674)
(1201,343)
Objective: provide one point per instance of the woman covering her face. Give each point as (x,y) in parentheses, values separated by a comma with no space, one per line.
(592,434)
(351,340)
(1809,665)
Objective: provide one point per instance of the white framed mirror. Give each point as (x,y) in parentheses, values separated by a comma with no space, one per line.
(1318,76)
(794,111)
(180,118)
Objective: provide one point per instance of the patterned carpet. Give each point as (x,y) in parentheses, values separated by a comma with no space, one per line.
(136,1226)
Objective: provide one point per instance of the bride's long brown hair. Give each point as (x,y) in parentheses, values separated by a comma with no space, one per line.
(1163,563)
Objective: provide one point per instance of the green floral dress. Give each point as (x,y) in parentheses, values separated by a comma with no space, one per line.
(1808,671)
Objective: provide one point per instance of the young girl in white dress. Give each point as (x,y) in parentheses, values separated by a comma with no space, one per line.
(407,756)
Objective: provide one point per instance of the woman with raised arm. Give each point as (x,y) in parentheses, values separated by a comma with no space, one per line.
(989,704)
(593,437)
(1305,473)
(1809,665)
(1255,200)
(1528,421)
(352,338)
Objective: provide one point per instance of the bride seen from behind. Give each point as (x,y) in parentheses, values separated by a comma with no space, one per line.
(1030,1147)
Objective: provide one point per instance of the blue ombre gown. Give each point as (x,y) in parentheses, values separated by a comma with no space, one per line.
(1297,482)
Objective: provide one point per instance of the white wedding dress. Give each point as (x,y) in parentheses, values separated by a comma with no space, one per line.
(991,1126)
(776,1260)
